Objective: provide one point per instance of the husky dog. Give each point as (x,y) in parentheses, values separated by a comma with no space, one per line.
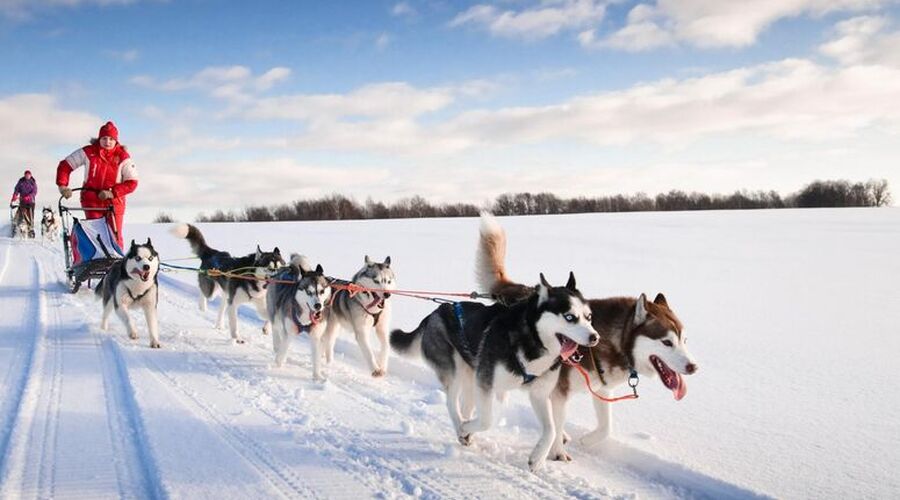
(298,308)
(362,311)
(480,352)
(236,291)
(133,282)
(21,226)
(636,334)
(49,225)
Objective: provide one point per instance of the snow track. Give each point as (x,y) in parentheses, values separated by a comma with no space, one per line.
(92,414)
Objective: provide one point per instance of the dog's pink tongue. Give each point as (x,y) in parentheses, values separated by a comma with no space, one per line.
(567,348)
(680,389)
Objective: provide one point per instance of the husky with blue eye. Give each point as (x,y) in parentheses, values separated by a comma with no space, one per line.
(132,283)
(255,269)
(297,302)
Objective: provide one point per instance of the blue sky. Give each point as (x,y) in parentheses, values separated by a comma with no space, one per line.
(225,104)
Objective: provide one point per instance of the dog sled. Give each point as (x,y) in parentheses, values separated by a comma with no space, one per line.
(19,223)
(89,245)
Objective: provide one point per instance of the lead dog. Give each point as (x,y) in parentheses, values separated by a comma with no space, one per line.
(131,283)
(236,291)
(635,334)
(481,352)
(297,304)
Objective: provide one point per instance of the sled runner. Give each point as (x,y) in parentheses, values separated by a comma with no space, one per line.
(89,245)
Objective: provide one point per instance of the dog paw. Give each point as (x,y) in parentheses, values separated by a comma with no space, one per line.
(267,329)
(379,372)
(155,345)
(132,336)
(319,378)
(239,341)
(566,437)
(560,457)
(465,439)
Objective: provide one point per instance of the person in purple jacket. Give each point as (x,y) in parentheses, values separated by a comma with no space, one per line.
(25,192)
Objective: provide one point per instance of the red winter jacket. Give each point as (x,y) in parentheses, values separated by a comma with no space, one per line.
(111,169)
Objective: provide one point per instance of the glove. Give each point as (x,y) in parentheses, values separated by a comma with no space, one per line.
(106,194)
(12,205)
(65,192)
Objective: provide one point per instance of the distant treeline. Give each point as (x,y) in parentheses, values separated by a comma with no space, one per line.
(841,193)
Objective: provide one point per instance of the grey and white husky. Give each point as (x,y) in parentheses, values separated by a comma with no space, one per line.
(49,225)
(363,311)
(480,352)
(256,267)
(635,335)
(299,307)
(132,283)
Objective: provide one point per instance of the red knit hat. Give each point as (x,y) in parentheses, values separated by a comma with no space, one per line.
(28,172)
(109,130)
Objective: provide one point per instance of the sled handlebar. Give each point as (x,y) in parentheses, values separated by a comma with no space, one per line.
(82,209)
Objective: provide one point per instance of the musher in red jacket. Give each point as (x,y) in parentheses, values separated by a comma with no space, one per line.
(109,176)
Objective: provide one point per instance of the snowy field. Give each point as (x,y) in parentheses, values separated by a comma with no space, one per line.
(792,316)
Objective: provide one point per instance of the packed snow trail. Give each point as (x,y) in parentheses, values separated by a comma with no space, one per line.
(93,414)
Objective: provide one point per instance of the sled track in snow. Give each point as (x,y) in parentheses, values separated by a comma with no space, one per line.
(18,410)
(431,485)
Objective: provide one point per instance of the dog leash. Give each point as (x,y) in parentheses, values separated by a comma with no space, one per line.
(575,362)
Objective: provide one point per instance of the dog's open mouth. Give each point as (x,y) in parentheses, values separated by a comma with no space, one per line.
(567,346)
(670,378)
(144,275)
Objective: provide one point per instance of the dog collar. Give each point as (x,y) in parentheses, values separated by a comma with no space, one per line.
(301,328)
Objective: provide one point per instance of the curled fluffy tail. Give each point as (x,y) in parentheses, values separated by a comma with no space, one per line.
(194,237)
(490,272)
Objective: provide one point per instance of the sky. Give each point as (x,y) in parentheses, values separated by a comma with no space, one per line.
(226,104)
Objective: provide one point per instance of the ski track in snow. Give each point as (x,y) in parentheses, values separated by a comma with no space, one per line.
(94,414)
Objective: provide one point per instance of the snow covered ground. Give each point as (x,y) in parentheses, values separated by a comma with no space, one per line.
(791,314)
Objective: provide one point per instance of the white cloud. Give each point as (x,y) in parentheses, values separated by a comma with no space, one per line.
(235,84)
(23,9)
(862,40)
(403,9)
(545,19)
(123,55)
(715,23)
(382,41)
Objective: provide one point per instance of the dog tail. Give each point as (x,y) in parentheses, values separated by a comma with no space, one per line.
(490,268)
(194,237)
(300,263)
(409,344)
(490,271)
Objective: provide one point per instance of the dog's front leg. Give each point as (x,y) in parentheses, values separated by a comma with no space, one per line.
(317,343)
(604,423)
(484,402)
(382,330)
(331,328)
(233,321)
(540,402)
(122,312)
(467,398)
(152,325)
(263,312)
(282,342)
(558,402)
(361,330)
(454,391)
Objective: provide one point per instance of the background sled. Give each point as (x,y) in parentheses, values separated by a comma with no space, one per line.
(89,245)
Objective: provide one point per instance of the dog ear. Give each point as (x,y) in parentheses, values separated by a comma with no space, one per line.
(133,244)
(660,300)
(149,243)
(387,261)
(571,283)
(319,270)
(543,290)
(258,252)
(640,310)
(369,261)
(277,251)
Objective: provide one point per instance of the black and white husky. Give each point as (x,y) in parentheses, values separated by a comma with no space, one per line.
(49,225)
(363,311)
(480,352)
(256,266)
(298,307)
(132,283)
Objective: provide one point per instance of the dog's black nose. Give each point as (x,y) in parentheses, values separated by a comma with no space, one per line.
(690,368)
(387,295)
(318,306)
(146,267)
(593,339)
